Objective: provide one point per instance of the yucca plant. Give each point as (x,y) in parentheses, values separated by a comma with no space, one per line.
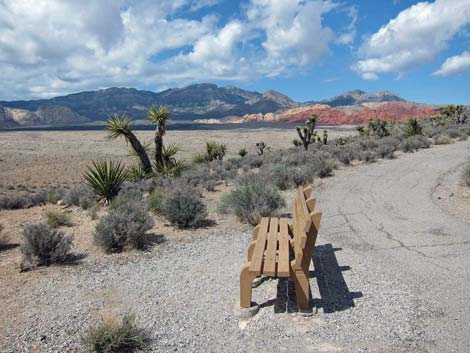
(121,126)
(413,127)
(173,169)
(215,150)
(159,116)
(243,152)
(106,178)
(136,172)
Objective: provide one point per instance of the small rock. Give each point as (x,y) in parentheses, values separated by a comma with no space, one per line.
(60,203)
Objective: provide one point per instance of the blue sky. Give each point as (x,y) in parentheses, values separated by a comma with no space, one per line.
(307,49)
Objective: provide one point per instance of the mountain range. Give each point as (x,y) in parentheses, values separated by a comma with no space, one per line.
(199,103)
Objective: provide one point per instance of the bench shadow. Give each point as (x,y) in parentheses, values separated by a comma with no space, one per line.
(334,292)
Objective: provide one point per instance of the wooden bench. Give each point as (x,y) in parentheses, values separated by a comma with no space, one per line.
(282,250)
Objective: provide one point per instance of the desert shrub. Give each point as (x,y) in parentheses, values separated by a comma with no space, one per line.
(466,175)
(124,226)
(442,140)
(81,195)
(431,131)
(58,219)
(414,143)
(368,156)
(43,245)
(106,178)
(453,132)
(322,164)
(115,336)
(183,206)
(253,197)
(388,145)
(253,161)
(125,196)
(279,174)
(413,127)
(368,143)
(42,197)
(300,176)
(155,200)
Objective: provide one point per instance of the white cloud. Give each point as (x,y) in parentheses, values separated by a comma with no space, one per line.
(455,65)
(414,37)
(53,47)
(293,32)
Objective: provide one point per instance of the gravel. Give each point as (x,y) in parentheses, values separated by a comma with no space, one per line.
(383,282)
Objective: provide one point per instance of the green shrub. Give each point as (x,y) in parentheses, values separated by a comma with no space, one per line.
(442,140)
(43,245)
(413,127)
(252,198)
(183,206)
(124,227)
(81,195)
(58,219)
(243,152)
(106,178)
(115,336)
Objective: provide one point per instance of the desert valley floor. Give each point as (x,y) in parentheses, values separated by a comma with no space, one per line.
(390,271)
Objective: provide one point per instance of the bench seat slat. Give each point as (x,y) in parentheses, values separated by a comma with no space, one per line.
(283,257)
(269,267)
(258,253)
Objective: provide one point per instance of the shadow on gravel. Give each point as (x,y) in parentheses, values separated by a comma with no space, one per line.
(334,292)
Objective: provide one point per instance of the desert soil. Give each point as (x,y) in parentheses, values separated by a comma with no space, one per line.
(40,159)
(391,274)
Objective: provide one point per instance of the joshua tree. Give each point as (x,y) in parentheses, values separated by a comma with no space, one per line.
(458,112)
(307,132)
(121,126)
(413,127)
(379,127)
(159,116)
(260,147)
(325,137)
(362,130)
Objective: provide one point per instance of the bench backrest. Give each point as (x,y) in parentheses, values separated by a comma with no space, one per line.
(305,225)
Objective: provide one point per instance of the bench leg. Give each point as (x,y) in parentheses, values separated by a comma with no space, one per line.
(246,279)
(302,292)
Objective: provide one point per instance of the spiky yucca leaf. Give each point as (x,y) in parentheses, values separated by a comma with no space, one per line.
(105,178)
(172,169)
(169,151)
(136,172)
(159,115)
(117,126)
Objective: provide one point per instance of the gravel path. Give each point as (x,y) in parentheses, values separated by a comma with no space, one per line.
(391,275)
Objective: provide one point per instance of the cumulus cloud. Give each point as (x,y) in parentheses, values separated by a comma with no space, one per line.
(52,47)
(455,65)
(414,37)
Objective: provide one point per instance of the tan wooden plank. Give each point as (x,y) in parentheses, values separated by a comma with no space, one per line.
(283,257)
(258,253)
(311,202)
(308,192)
(269,267)
(307,222)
